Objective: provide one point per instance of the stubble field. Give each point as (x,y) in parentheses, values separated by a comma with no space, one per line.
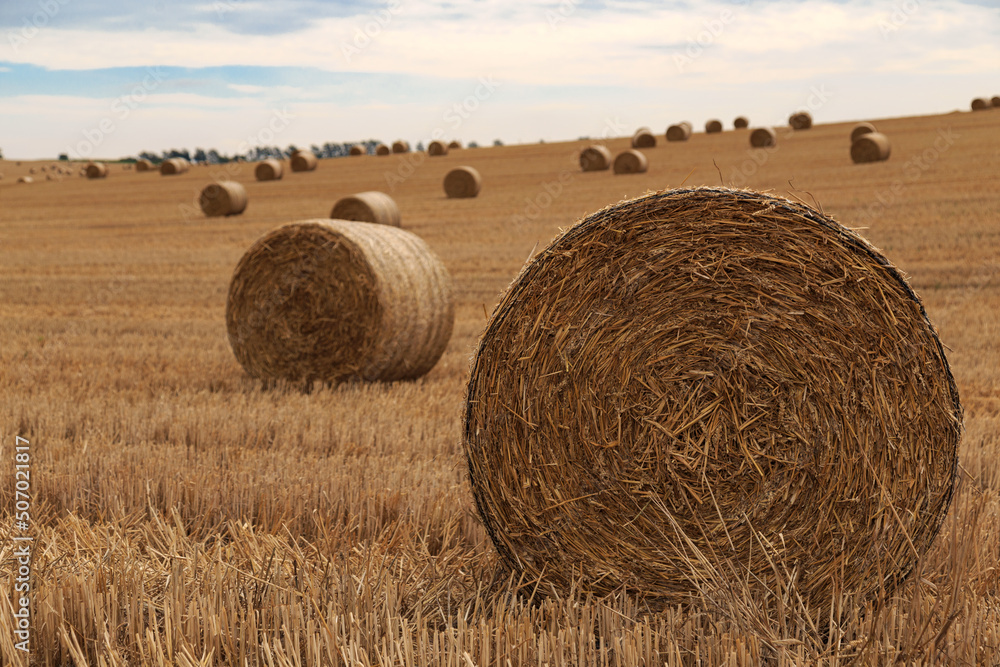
(184,514)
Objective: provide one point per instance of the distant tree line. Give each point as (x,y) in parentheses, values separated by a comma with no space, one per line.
(212,156)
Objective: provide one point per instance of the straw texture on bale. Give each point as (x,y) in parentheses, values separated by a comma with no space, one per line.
(643,138)
(713,126)
(979,104)
(871,147)
(372,206)
(631,162)
(861,128)
(679,132)
(382,149)
(437,148)
(357,150)
(595,158)
(462,183)
(96,170)
(332,300)
(801,120)
(143,165)
(174,166)
(400,146)
(223,198)
(269,170)
(741,123)
(454,143)
(303,160)
(707,390)
(763,137)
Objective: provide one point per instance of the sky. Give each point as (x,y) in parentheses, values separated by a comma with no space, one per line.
(110,78)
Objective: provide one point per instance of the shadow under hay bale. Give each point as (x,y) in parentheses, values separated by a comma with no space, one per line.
(631,162)
(763,137)
(372,206)
(595,158)
(679,132)
(303,160)
(860,129)
(710,392)
(462,183)
(741,123)
(871,147)
(333,301)
(223,199)
(269,170)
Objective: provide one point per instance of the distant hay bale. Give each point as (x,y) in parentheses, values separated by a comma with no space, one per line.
(454,143)
(400,146)
(871,147)
(96,170)
(372,206)
(269,170)
(861,128)
(705,393)
(303,160)
(995,101)
(174,166)
(48,177)
(631,162)
(26,179)
(462,183)
(382,149)
(436,148)
(679,132)
(31,171)
(713,126)
(357,150)
(979,104)
(595,158)
(223,199)
(333,301)
(643,138)
(763,137)
(741,123)
(801,120)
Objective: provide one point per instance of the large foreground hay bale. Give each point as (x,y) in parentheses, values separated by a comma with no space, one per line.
(979,104)
(174,166)
(741,123)
(372,206)
(357,150)
(96,170)
(713,126)
(437,148)
(712,392)
(223,198)
(303,160)
(595,158)
(382,149)
(679,132)
(631,162)
(801,120)
(332,300)
(762,137)
(143,165)
(871,147)
(462,183)
(400,146)
(269,170)
(861,128)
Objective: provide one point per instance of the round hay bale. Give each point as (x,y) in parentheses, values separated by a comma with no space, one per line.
(31,171)
(595,158)
(96,170)
(454,143)
(643,138)
(223,198)
(995,101)
(357,150)
(741,123)
(713,126)
(371,206)
(703,392)
(174,166)
(631,162)
(303,160)
(333,300)
(269,170)
(400,146)
(679,132)
(861,128)
(48,177)
(143,165)
(462,183)
(979,104)
(436,148)
(763,137)
(382,149)
(26,179)
(871,147)
(801,120)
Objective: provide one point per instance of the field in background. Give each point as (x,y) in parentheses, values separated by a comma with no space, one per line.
(185,515)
